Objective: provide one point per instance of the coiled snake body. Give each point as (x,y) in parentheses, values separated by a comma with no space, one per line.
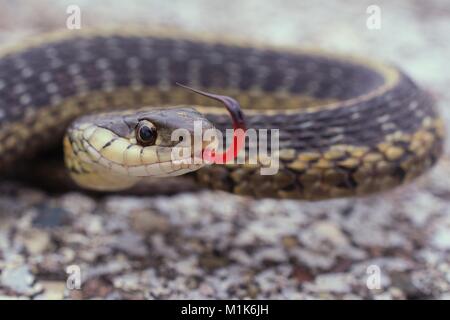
(347,126)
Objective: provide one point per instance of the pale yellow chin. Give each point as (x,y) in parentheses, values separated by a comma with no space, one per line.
(100,180)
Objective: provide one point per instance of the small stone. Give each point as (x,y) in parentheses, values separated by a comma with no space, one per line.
(36,241)
(19,279)
(324,235)
(50,217)
(115,266)
(78,203)
(396,293)
(206,290)
(131,244)
(186,267)
(334,282)
(314,260)
(127,282)
(441,238)
(124,205)
(147,221)
(268,255)
(92,224)
(53,290)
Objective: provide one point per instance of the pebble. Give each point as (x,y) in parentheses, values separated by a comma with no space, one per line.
(324,236)
(77,203)
(314,260)
(337,283)
(53,290)
(19,279)
(131,244)
(441,237)
(36,241)
(50,217)
(147,221)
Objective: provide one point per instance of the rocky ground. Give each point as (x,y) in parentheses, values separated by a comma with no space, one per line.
(215,245)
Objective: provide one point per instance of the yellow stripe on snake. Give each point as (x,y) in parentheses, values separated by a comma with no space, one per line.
(347,126)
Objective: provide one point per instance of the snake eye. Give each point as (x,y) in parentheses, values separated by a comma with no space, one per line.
(146,133)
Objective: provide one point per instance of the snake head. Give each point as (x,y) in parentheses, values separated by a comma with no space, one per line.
(113,151)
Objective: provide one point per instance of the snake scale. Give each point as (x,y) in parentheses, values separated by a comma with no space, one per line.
(348,126)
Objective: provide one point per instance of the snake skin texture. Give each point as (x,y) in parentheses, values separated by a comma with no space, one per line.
(348,126)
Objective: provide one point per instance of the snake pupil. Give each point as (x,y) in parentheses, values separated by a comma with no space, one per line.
(146,134)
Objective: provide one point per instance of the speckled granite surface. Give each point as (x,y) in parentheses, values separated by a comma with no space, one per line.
(215,245)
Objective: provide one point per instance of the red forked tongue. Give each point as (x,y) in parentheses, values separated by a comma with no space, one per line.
(239,128)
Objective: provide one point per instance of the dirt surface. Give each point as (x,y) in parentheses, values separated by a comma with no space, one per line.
(215,245)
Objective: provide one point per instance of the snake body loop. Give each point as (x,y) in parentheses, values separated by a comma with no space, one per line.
(347,126)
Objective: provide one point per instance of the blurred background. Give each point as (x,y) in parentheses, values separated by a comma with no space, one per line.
(215,245)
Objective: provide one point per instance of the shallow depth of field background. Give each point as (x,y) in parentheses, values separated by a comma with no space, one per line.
(215,245)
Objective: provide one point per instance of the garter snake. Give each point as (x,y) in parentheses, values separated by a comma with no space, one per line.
(347,126)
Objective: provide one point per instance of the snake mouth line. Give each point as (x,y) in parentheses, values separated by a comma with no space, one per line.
(172,167)
(167,169)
